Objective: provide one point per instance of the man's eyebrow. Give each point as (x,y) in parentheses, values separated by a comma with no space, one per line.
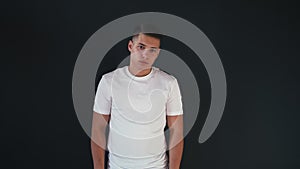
(142,44)
(146,45)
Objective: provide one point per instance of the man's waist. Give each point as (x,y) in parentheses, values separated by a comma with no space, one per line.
(154,161)
(136,147)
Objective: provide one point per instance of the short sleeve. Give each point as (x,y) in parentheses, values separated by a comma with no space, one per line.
(174,102)
(102,102)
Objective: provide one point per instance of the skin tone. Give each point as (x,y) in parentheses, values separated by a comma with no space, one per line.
(98,139)
(176,143)
(144,50)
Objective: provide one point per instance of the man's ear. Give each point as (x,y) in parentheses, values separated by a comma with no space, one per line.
(130,45)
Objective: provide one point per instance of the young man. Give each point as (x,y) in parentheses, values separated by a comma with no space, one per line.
(137,101)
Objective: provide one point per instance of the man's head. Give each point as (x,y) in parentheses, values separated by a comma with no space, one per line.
(144,49)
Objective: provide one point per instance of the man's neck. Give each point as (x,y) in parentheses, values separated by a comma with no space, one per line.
(139,73)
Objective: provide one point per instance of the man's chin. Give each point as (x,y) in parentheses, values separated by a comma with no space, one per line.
(142,68)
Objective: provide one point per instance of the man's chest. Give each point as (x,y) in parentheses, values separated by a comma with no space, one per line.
(139,100)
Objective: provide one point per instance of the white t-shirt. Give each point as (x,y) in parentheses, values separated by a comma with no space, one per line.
(138,107)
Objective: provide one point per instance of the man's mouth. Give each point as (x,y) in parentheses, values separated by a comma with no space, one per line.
(143,62)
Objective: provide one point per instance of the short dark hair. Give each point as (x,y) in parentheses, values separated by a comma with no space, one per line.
(154,35)
(147,29)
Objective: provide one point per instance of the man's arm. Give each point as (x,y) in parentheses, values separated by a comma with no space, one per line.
(175,124)
(98,139)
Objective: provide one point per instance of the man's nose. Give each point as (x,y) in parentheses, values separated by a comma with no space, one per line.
(145,54)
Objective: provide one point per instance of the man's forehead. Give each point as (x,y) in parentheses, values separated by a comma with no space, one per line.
(147,40)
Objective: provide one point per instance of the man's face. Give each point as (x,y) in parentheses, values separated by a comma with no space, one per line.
(144,50)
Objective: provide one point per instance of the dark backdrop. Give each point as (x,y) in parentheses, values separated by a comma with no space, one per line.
(257,43)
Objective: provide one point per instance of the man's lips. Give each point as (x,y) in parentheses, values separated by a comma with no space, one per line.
(143,62)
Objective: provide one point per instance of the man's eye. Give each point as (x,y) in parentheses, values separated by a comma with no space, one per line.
(153,50)
(141,47)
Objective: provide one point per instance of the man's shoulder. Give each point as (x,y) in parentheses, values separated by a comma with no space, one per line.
(109,75)
(164,74)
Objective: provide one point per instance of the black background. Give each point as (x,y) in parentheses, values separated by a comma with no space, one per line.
(257,43)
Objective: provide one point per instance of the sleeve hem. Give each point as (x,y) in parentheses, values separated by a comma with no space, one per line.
(177,113)
(101,112)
